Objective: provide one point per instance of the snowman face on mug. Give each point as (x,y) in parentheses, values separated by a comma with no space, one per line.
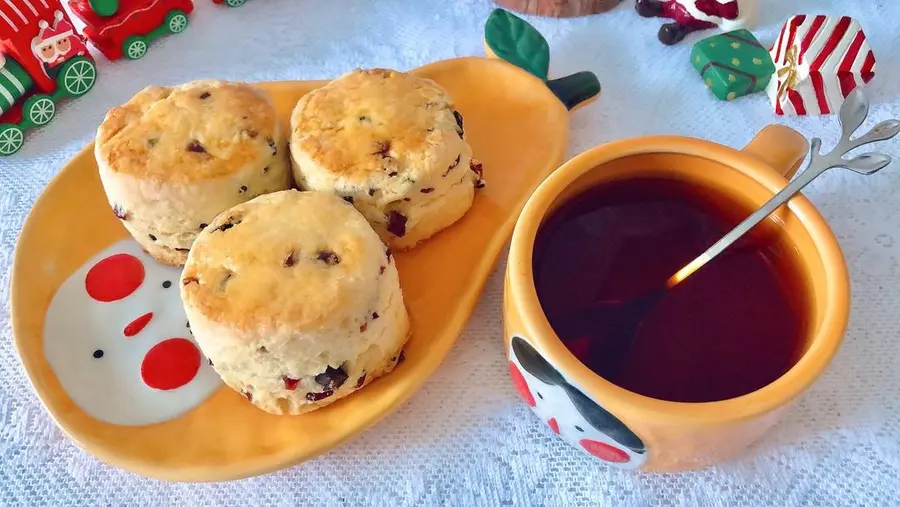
(116,336)
(570,413)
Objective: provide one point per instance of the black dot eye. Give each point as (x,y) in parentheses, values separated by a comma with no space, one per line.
(98,354)
(541,396)
(579,429)
(167,284)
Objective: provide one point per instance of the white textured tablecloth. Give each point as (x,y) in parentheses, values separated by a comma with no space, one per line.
(465,438)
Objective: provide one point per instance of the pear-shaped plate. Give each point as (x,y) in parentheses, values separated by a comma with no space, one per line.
(516,127)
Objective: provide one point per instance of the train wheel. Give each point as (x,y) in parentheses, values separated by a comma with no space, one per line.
(176,21)
(235,3)
(135,47)
(78,76)
(39,109)
(11,139)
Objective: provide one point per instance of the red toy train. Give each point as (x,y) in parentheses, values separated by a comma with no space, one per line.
(126,27)
(43,59)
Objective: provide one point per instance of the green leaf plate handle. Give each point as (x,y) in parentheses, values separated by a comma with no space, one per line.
(511,38)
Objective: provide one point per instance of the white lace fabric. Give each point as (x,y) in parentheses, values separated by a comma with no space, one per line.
(465,438)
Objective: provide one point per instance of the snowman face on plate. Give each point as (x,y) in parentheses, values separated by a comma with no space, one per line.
(573,416)
(117,338)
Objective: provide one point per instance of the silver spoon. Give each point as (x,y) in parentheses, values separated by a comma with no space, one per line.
(853,114)
(621,319)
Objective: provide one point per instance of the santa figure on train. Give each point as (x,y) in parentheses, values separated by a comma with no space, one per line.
(56,43)
(692,15)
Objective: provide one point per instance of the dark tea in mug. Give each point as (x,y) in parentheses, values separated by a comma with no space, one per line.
(732,327)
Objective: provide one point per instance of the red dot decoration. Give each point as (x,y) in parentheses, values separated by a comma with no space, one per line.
(521,384)
(137,325)
(605,452)
(553,425)
(114,278)
(170,364)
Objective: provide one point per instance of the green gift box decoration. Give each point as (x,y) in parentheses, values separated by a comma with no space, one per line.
(733,64)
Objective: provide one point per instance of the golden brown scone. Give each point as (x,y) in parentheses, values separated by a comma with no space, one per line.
(391,143)
(295,300)
(171,159)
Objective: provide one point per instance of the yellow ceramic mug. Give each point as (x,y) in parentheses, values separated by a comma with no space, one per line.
(634,431)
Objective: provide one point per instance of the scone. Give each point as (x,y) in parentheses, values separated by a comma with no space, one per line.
(391,143)
(295,300)
(171,159)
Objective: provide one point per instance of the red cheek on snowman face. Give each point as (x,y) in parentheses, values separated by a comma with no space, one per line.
(170,364)
(521,385)
(604,451)
(113,278)
(553,425)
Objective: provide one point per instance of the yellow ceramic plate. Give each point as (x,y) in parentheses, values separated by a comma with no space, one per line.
(517,128)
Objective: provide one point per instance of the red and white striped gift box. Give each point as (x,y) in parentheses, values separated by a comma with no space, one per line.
(819,61)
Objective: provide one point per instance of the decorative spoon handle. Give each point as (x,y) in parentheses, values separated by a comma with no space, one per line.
(853,113)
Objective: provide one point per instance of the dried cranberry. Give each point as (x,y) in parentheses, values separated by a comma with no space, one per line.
(205,95)
(203,225)
(381,271)
(152,237)
(401,357)
(182,249)
(361,381)
(332,378)
(348,198)
(459,123)
(375,315)
(251,133)
(266,169)
(227,225)
(477,168)
(328,257)
(383,148)
(190,280)
(248,396)
(318,396)
(196,147)
(453,166)
(388,253)
(272,145)
(371,191)
(242,189)
(289,260)
(290,383)
(397,224)
(120,212)
(392,174)
(427,190)
(479,172)
(363,327)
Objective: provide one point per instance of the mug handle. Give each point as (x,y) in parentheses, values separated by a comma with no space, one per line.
(781,148)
